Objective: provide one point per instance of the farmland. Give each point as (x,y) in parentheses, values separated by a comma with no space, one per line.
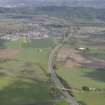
(78,77)
(23,73)
(27,40)
(25,45)
(81,68)
(91,98)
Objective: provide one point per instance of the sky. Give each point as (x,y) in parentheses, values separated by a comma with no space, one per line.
(95,3)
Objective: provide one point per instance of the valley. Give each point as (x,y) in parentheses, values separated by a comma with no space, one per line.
(53,56)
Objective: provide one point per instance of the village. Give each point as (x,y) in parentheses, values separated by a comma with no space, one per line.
(29,35)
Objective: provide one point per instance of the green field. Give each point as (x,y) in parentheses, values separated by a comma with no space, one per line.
(98,53)
(90,98)
(23,81)
(35,56)
(17,92)
(41,43)
(24,78)
(34,43)
(62,102)
(79,77)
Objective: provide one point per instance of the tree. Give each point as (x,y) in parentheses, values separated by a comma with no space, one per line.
(85,88)
(53,90)
(82,103)
(62,102)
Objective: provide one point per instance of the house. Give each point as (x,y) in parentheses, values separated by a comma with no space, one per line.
(82,49)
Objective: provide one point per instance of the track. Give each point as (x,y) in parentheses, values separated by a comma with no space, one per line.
(55,79)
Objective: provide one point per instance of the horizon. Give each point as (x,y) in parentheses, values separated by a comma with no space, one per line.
(84,3)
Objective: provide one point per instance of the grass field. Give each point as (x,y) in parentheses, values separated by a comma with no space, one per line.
(98,53)
(91,98)
(62,102)
(41,43)
(34,43)
(22,82)
(19,92)
(78,77)
(23,73)
(34,55)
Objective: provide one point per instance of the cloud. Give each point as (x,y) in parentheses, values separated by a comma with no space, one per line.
(92,3)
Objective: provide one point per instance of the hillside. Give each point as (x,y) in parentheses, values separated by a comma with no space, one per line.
(76,13)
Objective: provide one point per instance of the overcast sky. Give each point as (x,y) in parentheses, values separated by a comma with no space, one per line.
(100,3)
(48,0)
(51,0)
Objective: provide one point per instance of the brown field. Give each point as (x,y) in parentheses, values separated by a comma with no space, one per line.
(73,58)
(8,53)
(91,29)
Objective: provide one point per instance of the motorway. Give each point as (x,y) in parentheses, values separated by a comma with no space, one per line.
(55,79)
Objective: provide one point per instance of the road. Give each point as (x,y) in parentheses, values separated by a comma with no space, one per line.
(55,79)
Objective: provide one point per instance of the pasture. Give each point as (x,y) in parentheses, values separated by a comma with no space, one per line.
(34,43)
(79,77)
(23,73)
(90,98)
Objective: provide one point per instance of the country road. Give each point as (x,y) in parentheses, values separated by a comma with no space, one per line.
(55,79)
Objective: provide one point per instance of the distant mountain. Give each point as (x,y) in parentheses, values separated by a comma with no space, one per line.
(74,13)
(83,3)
